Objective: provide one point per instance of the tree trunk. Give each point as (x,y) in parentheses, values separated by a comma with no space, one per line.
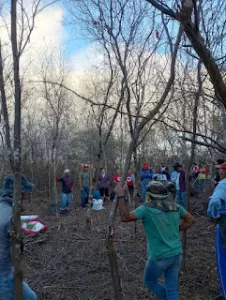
(191,160)
(209,62)
(135,189)
(201,49)
(16,237)
(5,111)
(55,196)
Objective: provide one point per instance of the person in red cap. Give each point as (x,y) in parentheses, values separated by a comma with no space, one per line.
(85,180)
(146,175)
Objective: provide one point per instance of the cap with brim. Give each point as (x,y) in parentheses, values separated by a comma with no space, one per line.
(157,191)
(66,171)
(146,165)
(222,166)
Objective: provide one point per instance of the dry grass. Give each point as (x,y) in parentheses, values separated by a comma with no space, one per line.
(69,262)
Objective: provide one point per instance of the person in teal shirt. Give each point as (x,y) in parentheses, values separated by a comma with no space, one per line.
(163,219)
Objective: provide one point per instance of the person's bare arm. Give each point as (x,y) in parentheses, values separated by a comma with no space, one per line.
(187,221)
(126,215)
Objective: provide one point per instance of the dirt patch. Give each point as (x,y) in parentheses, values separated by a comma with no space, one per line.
(69,262)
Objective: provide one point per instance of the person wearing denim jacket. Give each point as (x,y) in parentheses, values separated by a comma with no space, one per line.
(217,212)
(6,215)
(180,185)
(146,175)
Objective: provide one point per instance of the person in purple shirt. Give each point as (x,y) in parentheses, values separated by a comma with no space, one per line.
(180,185)
(103,182)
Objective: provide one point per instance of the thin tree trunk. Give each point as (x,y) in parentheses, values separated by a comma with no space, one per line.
(5,111)
(55,184)
(192,157)
(16,237)
(135,189)
(117,288)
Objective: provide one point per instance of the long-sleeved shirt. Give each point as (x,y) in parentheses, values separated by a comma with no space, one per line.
(182,181)
(67,184)
(146,174)
(217,202)
(164,174)
(103,180)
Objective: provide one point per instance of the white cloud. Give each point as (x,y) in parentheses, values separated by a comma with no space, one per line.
(86,59)
(47,36)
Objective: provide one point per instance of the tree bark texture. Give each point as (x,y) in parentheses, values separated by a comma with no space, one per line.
(5,110)
(191,160)
(16,237)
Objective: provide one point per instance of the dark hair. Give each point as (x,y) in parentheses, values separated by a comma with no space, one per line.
(220,161)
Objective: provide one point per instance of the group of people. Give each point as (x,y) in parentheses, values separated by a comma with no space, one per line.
(163,176)
(147,174)
(163,219)
(86,180)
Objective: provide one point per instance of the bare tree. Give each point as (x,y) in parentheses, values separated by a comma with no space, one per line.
(192,26)
(137,130)
(19,41)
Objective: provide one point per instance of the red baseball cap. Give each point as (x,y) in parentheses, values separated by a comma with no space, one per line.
(85,166)
(222,166)
(146,165)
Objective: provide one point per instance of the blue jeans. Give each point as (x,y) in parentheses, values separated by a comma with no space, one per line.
(168,267)
(65,200)
(84,195)
(7,286)
(144,185)
(221,261)
(181,198)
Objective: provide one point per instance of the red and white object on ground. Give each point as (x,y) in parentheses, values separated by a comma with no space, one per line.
(33,227)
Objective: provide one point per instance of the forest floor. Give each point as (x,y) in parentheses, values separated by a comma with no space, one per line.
(71,262)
